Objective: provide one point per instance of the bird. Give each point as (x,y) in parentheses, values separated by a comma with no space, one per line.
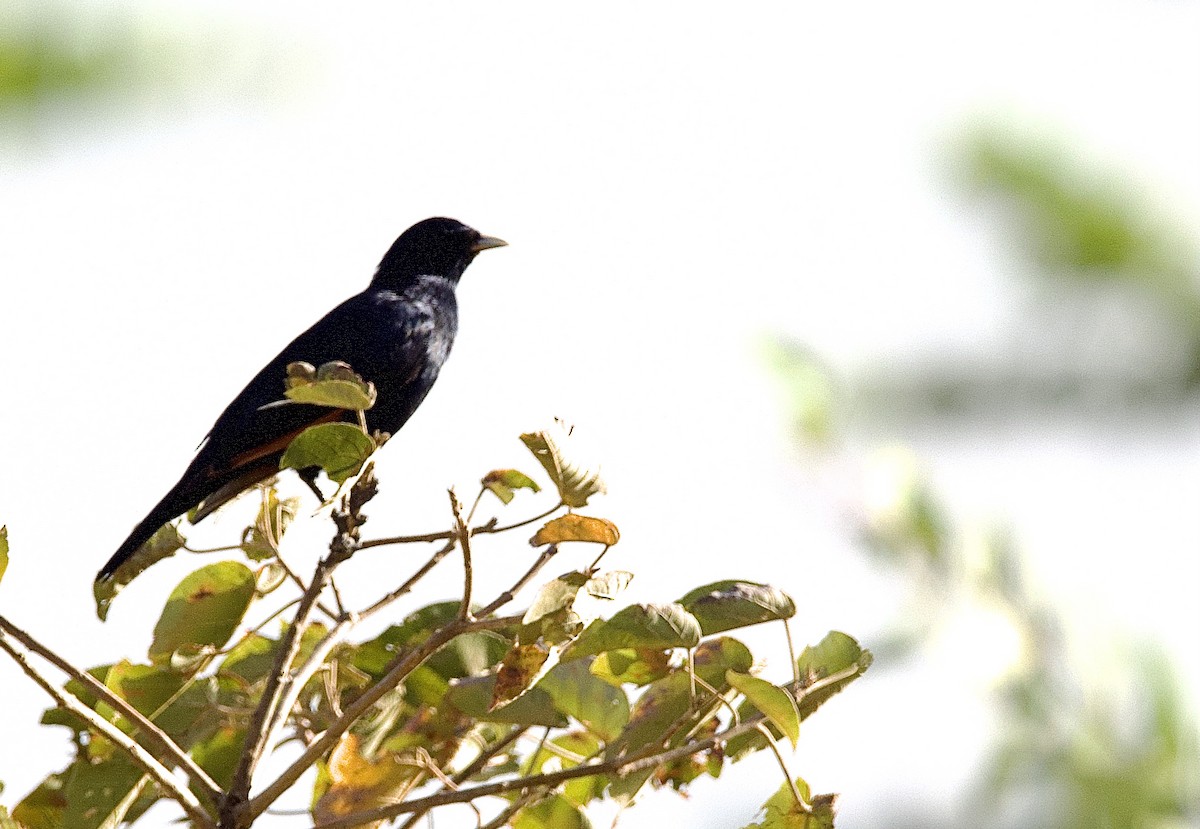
(396,334)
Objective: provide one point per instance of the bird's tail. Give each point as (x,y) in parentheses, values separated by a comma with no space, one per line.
(179,500)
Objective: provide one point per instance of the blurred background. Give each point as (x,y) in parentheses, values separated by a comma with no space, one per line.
(894,307)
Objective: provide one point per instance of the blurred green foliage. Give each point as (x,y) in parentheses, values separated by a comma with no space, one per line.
(1086,222)
(1122,751)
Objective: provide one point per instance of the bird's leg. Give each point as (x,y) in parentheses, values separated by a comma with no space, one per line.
(309,475)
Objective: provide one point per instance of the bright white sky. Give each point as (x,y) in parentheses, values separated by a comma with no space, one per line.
(674,181)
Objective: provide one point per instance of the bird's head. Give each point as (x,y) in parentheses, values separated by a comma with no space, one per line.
(442,247)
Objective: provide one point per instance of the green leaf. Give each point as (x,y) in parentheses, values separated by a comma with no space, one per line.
(575,479)
(503,482)
(219,753)
(835,653)
(340,449)
(3,550)
(554,812)
(163,544)
(638,626)
(573,527)
(664,703)
(776,703)
(782,811)
(473,697)
(204,609)
(96,792)
(334,385)
(557,594)
(250,659)
(637,666)
(714,657)
(45,806)
(725,605)
(578,693)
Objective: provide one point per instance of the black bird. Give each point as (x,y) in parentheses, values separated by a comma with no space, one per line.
(396,334)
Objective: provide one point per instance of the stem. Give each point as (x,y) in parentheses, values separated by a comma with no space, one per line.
(464,540)
(483,529)
(804,805)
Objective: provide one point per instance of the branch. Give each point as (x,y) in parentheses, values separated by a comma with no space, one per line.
(483,529)
(268,714)
(166,748)
(619,766)
(161,774)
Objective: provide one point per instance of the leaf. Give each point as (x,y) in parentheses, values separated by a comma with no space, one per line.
(251,658)
(163,544)
(835,653)
(576,480)
(358,783)
(553,812)
(664,703)
(713,658)
(638,626)
(340,449)
(609,585)
(574,527)
(521,667)
(219,753)
(45,806)
(272,521)
(578,693)
(269,578)
(503,482)
(334,385)
(557,594)
(473,698)
(636,666)
(97,791)
(781,811)
(776,703)
(3,550)
(204,609)
(725,605)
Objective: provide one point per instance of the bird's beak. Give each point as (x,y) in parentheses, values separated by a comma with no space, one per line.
(485,242)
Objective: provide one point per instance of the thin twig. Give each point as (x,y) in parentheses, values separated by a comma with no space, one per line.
(169,752)
(483,529)
(464,540)
(179,792)
(804,805)
(509,594)
(407,587)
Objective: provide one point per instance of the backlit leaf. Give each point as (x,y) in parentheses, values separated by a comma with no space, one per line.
(204,609)
(573,527)
(776,703)
(340,449)
(638,626)
(334,384)
(726,605)
(575,477)
(503,482)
